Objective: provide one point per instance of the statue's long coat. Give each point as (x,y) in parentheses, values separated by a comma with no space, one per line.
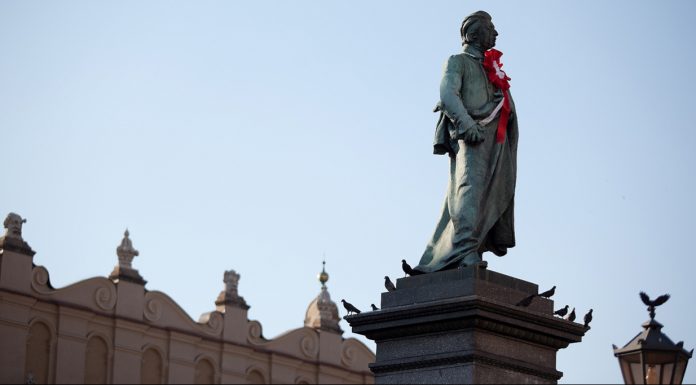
(478,214)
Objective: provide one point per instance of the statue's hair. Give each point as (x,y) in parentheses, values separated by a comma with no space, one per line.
(471,25)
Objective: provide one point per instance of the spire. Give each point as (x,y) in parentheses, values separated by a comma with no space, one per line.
(323,276)
(322,313)
(124,271)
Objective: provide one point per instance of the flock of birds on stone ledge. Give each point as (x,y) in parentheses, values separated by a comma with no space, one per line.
(525,302)
(563,312)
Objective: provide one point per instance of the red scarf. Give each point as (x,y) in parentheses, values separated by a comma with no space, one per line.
(493,67)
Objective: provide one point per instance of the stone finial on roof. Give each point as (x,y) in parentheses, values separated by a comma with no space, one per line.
(12,239)
(231,280)
(322,313)
(230,296)
(126,252)
(124,270)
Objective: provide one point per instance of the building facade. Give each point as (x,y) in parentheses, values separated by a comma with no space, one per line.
(114,330)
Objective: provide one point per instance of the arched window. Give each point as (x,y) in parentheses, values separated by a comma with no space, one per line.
(96,361)
(38,356)
(205,372)
(151,368)
(255,377)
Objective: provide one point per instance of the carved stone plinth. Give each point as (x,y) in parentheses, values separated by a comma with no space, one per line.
(462,326)
(127,274)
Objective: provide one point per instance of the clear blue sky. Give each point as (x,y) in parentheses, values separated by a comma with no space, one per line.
(258,136)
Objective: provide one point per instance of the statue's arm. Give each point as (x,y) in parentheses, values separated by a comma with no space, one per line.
(451,101)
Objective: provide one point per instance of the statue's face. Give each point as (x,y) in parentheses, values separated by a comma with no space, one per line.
(14,225)
(487,35)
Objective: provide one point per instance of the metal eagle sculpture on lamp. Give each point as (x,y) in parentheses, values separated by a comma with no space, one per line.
(652,304)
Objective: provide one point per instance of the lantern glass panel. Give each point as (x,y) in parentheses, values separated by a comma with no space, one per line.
(626,371)
(680,368)
(652,374)
(637,373)
(667,370)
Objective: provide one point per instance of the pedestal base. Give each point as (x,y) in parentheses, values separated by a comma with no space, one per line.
(462,326)
(122,273)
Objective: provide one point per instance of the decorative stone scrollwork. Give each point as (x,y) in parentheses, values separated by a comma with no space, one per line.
(309,345)
(347,355)
(215,323)
(254,331)
(153,310)
(104,291)
(39,280)
(105,297)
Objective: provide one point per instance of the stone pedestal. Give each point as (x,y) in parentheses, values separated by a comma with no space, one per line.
(462,326)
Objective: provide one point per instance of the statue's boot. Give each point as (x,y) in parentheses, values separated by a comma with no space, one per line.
(474,259)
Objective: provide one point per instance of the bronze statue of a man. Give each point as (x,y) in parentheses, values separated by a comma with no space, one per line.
(478,130)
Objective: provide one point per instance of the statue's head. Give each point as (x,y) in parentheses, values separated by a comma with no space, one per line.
(13,224)
(478,30)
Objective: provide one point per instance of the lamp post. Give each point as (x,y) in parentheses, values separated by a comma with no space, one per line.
(651,357)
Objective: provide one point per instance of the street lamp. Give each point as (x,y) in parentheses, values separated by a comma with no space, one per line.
(651,357)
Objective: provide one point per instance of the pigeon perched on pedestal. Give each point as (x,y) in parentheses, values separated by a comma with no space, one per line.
(571,316)
(349,307)
(374,308)
(408,270)
(588,318)
(561,312)
(388,284)
(548,293)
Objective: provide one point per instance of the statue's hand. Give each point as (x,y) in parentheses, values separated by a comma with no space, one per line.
(474,135)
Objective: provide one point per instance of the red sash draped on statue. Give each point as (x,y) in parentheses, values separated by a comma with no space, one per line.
(492,65)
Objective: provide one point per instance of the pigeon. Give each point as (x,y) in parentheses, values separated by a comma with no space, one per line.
(374,308)
(653,304)
(388,284)
(548,293)
(349,307)
(571,316)
(408,270)
(526,301)
(588,318)
(561,312)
